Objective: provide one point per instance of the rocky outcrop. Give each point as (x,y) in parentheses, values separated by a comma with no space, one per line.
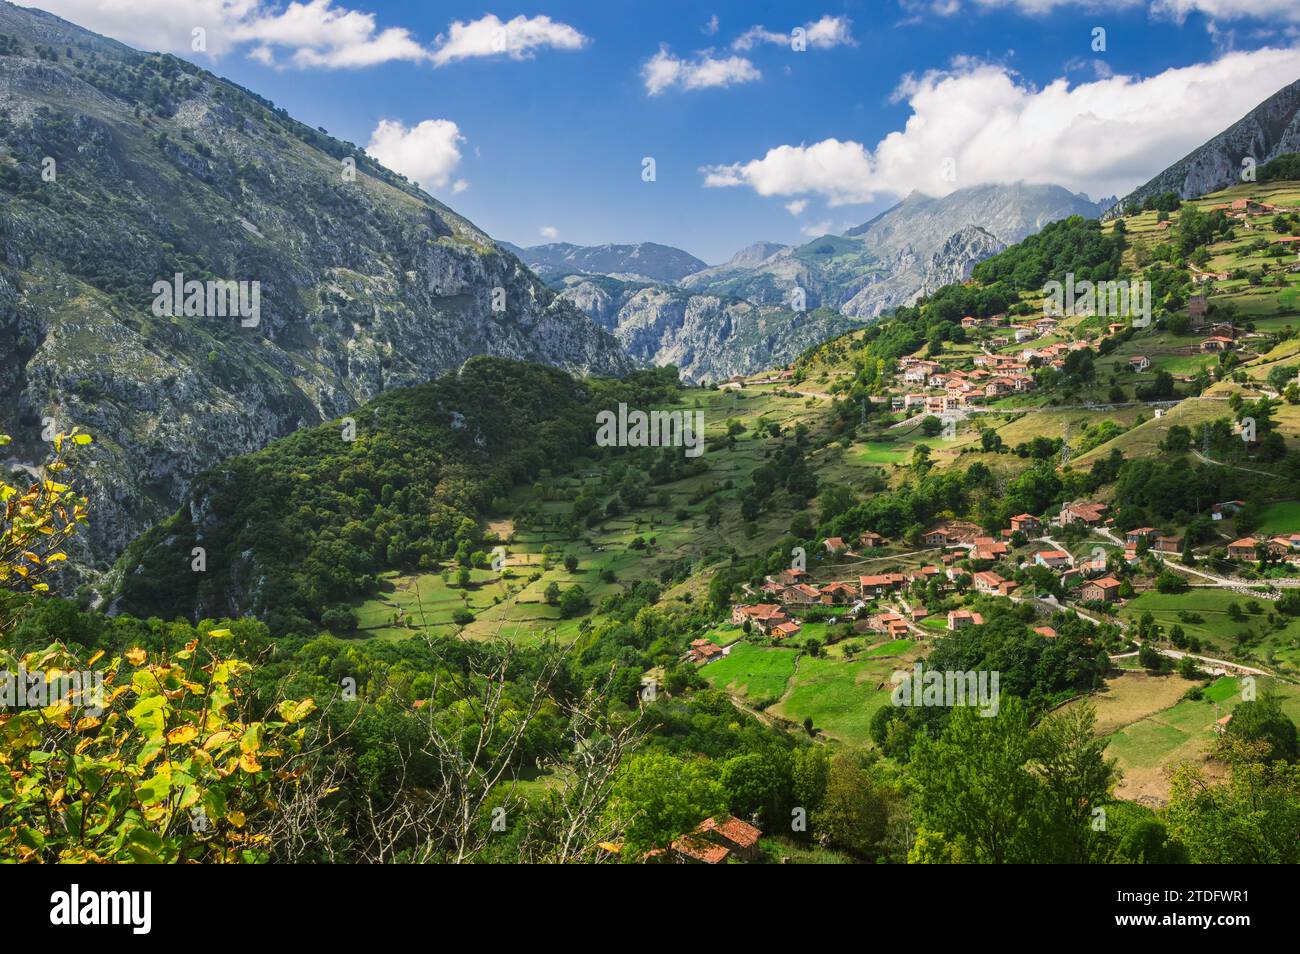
(645,261)
(1267,131)
(707,337)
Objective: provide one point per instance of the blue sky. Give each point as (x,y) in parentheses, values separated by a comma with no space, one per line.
(751,139)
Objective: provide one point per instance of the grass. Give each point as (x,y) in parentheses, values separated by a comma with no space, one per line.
(758,674)
(840,697)
(1147,748)
(1277,648)
(1281,517)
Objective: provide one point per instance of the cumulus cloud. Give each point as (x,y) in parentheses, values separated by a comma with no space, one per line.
(427,153)
(796,207)
(306,33)
(818,229)
(549,232)
(666,70)
(312,33)
(985,123)
(820,34)
(517,38)
(318,33)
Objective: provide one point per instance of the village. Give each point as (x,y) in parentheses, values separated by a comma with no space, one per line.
(1103,571)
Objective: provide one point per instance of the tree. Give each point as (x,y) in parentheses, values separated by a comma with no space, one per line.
(1253,818)
(574,602)
(1170,582)
(1076,777)
(552,593)
(1151,658)
(972,784)
(36,525)
(853,812)
(658,797)
(571,562)
(1263,721)
(754,786)
(809,771)
(150,758)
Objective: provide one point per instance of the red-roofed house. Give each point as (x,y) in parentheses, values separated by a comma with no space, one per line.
(1105,590)
(959,619)
(1025,523)
(1086,513)
(728,831)
(804,594)
(1243,549)
(784,630)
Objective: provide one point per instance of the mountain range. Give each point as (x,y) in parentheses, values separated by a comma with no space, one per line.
(743,315)
(120,170)
(645,261)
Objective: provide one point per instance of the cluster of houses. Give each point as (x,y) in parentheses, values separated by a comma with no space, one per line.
(1283,546)
(994,376)
(794,588)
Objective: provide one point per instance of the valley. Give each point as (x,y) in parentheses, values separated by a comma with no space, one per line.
(969,534)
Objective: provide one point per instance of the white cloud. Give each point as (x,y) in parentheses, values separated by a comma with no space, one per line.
(1229,9)
(796,207)
(549,232)
(517,38)
(710,28)
(818,229)
(427,153)
(1174,9)
(665,70)
(313,33)
(320,34)
(459,186)
(1101,137)
(306,33)
(820,34)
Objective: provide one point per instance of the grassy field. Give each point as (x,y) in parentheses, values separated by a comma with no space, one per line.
(1281,517)
(840,697)
(1149,746)
(1204,612)
(757,674)
(634,546)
